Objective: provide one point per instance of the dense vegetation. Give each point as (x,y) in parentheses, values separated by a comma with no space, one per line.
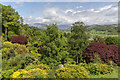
(31,53)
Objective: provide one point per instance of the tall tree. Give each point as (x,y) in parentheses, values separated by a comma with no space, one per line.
(10,20)
(54,46)
(78,40)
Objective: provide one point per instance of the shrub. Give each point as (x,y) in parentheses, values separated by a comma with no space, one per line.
(32,71)
(14,63)
(10,34)
(41,66)
(98,39)
(96,68)
(19,39)
(10,50)
(69,61)
(105,52)
(112,40)
(72,71)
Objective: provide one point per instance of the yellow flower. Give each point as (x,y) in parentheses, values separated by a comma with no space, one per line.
(16,74)
(36,59)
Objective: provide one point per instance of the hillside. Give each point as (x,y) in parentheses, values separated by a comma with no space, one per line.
(111,29)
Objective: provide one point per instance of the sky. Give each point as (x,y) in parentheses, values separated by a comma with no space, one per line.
(67,12)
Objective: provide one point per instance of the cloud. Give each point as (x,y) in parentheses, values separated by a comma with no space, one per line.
(18,4)
(101,15)
(60,1)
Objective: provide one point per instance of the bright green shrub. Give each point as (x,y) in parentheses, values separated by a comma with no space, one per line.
(10,34)
(10,50)
(97,69)
(72,71)
(69,61)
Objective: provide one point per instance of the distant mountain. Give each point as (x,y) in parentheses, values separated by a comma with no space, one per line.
(111,28)
(43,26)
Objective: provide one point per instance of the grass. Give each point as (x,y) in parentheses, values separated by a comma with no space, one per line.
(114,74)
(104,35)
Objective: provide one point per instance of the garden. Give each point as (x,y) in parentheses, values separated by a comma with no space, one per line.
(28,52)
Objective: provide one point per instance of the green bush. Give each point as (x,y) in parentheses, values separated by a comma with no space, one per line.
(112,41)
(96,68)
(14,63)
(10,34)
(69,61)
(10,50)
(98,38)
(72,71)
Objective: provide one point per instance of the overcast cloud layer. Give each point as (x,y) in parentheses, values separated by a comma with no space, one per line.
(59,0)
(102,15)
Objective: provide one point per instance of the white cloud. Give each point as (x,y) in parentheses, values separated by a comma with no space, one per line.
(102,15)
(69,10)
(79,6)
(60,1)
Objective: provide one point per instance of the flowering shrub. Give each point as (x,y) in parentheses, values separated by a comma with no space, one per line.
(105,52)
(72,71)
(10,50)
(19,39)
(41,66)
(96,68)
(32,71)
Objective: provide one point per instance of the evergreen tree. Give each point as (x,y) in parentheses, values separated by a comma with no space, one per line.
(54,46)
(78,40)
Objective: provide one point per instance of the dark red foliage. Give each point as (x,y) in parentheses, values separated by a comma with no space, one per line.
(39,50)
(19,39)
(106,52)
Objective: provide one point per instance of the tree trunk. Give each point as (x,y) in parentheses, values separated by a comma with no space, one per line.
(77,60)
(6,33)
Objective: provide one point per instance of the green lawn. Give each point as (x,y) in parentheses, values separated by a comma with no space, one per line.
(114,74)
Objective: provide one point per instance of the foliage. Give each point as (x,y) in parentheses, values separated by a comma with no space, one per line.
(113,74)
(96,58)
(78,40)
(10,50)
(112,41)
(10,34)
(97,68)
(105,52)
(103,29)
(15,63)
(53,46)
(32,71)
(40,65)
(98,39)
(10,20)
(69,61)
(19,39)
(72,71)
